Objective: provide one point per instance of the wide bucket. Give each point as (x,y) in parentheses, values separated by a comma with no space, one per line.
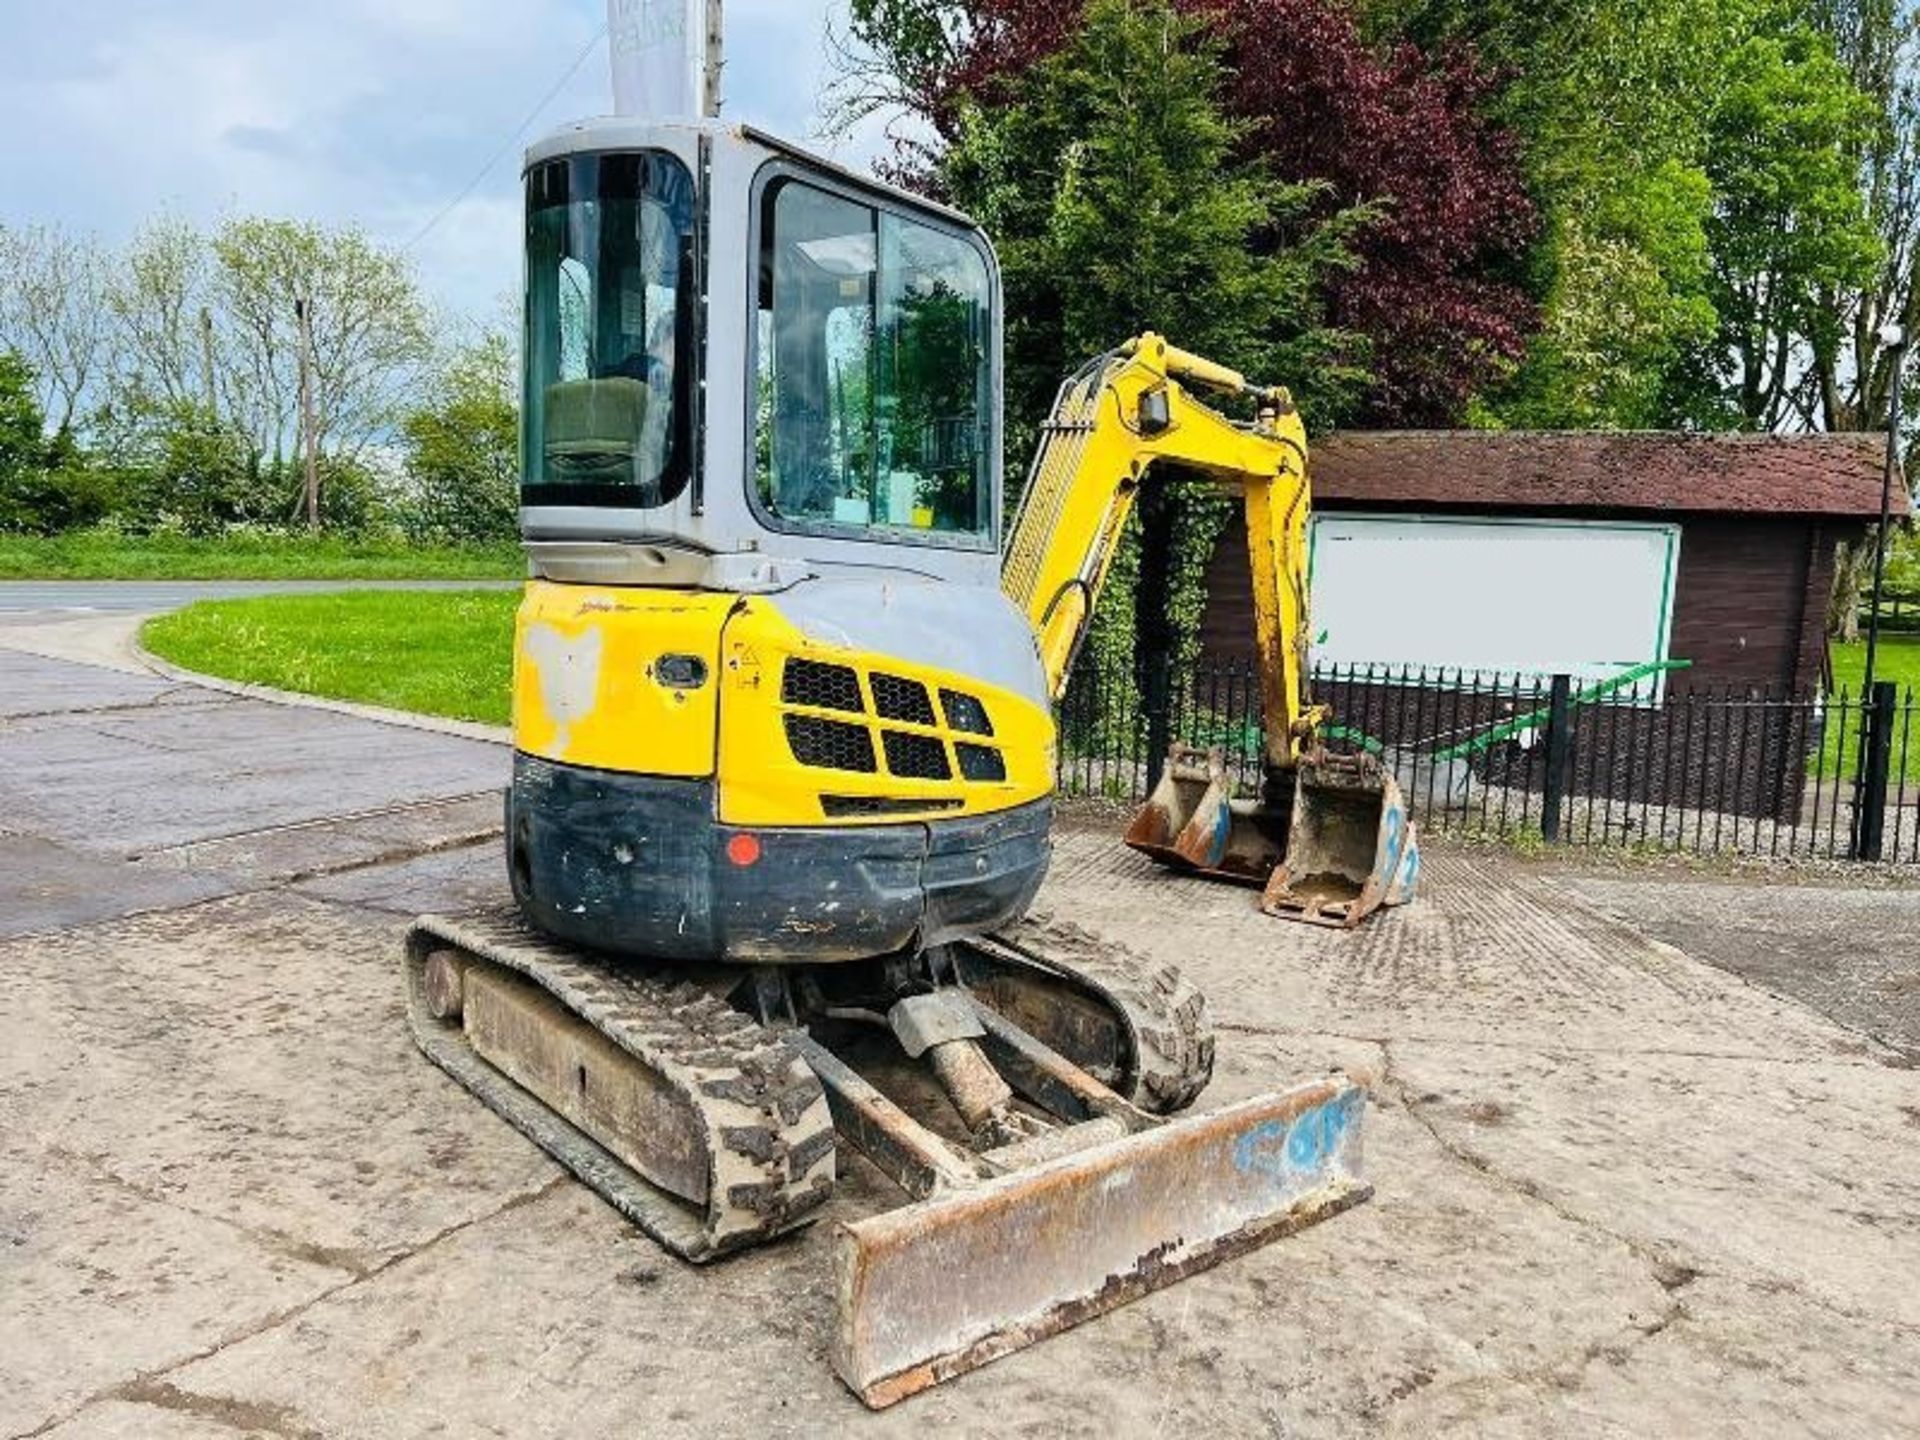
(1351,847)
(933,1290)
(1192,822)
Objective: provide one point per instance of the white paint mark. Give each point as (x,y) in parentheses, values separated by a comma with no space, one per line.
(569,672)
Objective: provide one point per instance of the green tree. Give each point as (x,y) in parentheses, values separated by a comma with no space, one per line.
(462,450)
(1691,157)
(208,342)
(54,313)
(1878,41)
(1789,227)
(371,334)
(1849,382)
(22,445)
(190,474)
(1608,96)
(1117,195)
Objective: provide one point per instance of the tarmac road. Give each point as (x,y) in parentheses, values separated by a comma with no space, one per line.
(62,599)
(1619,1190)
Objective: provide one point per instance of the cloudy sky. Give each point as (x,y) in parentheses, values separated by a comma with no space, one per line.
(374,112)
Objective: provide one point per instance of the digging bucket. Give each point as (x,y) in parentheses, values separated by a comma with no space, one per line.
(1331,852)
(1351,847)
(1192,822)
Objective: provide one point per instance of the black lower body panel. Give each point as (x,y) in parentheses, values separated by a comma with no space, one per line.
(638,865)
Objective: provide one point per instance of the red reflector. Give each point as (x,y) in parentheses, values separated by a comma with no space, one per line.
(743,849)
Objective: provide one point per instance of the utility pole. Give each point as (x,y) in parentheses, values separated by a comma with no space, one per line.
(302,309)
(206,366)
(1877,701)
(716,39)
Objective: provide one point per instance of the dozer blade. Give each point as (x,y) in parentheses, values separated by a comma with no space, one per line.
(938,1288)
(1351,847)
(1192,822)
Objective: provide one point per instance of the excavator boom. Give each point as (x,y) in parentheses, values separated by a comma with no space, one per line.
(1328,836)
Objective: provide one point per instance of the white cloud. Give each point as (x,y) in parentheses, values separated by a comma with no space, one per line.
(370,112)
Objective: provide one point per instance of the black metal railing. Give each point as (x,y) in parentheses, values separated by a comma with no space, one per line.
(1647,760)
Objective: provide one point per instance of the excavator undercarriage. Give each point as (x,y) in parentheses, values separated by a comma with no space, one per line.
(704,1103)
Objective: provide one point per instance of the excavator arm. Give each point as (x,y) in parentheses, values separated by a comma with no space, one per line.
(1328,836)
(1114,420)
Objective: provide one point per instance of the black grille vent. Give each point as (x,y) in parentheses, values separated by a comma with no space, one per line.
(964,713)
(979,762)
(825,687)
(916,757)
(837,806)
(900,699)
(830,745)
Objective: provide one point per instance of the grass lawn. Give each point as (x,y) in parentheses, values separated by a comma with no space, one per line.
(90,555)
(1898,661)
(444,652)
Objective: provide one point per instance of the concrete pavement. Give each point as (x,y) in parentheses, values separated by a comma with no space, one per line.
(1620,1191)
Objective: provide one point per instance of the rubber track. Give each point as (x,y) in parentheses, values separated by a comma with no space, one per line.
(1165,1013)
(769,1132)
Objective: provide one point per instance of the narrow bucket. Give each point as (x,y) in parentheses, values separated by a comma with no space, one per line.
(1192,822)
(936,1289)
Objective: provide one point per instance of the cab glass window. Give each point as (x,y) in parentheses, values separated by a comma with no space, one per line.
(609,314)
(874,398)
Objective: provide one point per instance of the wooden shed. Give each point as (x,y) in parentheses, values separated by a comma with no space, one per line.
(1750,523)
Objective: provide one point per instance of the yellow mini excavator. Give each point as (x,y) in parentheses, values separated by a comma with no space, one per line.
(784,755)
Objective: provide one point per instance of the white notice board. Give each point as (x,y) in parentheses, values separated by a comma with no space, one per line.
(1508,597)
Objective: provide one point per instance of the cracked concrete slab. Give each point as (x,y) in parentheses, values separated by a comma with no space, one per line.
(97,1284)
(48,886)
(603,1331)
(1780,1175)
(1853,954)
(391,835)
(1499,964)
(122,1419)
(445,882)
(1735,1360)
(37,685)
(124,783)
(249,1060)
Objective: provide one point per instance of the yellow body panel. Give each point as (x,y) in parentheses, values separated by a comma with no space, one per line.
(762,783)
(586,690)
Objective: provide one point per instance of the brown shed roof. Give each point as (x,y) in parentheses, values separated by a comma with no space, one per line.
(1633,470)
